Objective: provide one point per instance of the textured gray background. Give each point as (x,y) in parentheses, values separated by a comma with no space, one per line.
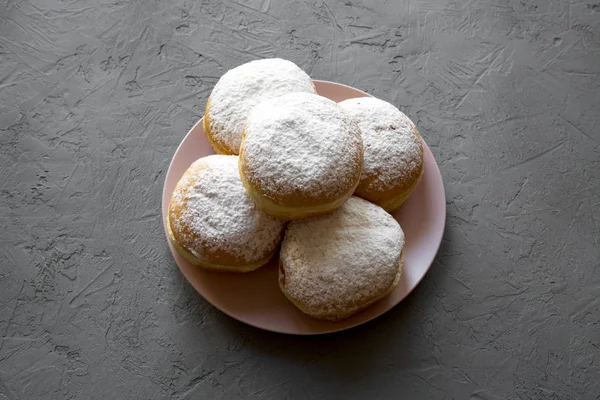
(95,97)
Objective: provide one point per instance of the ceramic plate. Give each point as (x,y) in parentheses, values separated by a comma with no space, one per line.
(255,298)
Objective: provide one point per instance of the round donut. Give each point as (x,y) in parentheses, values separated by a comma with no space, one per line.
(301,155)
(239,90)
(393,163)
(213,223)
(335,265)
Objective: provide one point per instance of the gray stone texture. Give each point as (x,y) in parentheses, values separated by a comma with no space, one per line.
(95,96)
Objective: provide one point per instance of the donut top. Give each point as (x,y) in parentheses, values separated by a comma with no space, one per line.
(216,216)
(243,87)
(342,259)
(393,149)
(301,146)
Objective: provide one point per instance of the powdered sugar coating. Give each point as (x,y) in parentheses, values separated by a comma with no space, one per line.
(303,146)
(243,87)
(342,260)
(213,217)
(393,149)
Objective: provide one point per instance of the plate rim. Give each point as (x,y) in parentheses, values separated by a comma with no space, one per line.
(438,240)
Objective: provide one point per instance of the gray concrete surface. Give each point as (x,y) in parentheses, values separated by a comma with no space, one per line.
(95,95)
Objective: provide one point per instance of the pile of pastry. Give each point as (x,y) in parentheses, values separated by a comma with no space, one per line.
(302,174)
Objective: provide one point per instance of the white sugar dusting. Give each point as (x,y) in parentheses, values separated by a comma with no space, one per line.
(392,148)
(301,144)
(241,88)
(221,215)
(338,259)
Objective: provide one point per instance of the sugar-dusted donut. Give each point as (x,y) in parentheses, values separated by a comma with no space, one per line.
(301,155)
(213,223)
(335,265)
(393,163)
(239,90)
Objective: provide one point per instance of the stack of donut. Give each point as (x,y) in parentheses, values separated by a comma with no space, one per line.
(299,173)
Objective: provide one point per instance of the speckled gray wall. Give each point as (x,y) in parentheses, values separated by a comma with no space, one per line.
(95,96)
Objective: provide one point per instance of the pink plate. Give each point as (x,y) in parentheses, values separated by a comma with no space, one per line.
(255,298)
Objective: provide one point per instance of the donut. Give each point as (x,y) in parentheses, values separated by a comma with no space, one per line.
(393,163)
(239,90)
(214,224)
(301,155)
(335,265)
